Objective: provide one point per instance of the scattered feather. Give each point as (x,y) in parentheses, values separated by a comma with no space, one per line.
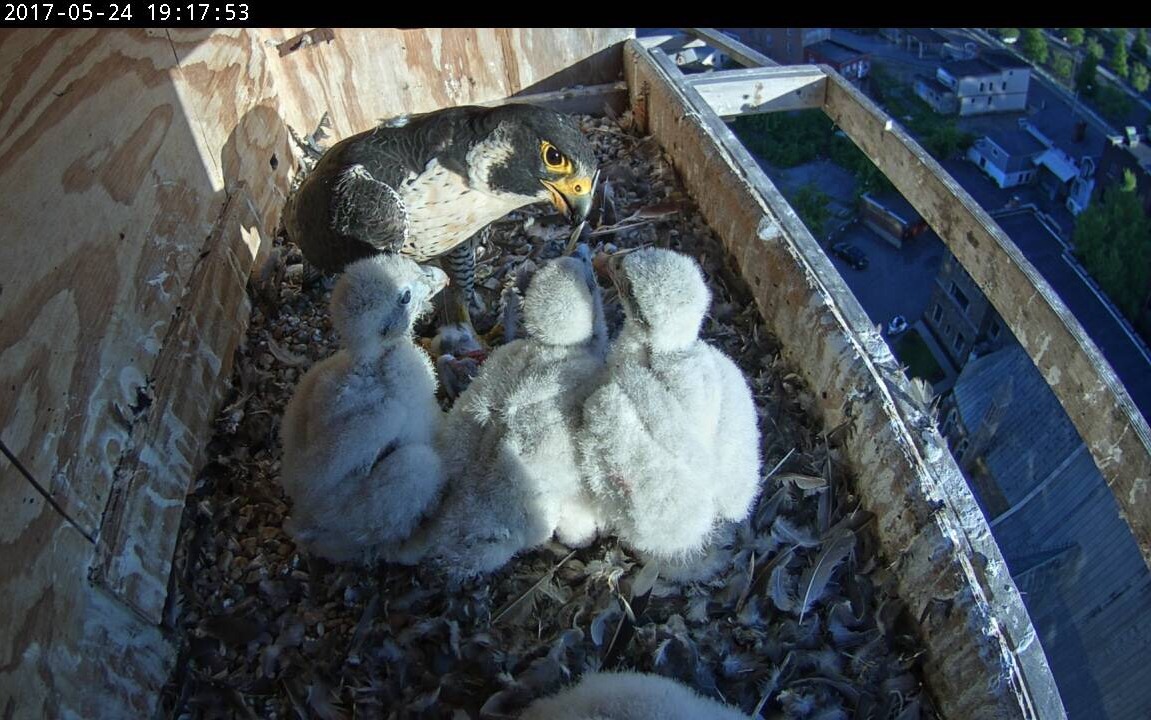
(815,579)
(269,634)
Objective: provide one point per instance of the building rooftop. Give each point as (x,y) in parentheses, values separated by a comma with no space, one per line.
(1016,141)
(834,52)
(1126,355)
(1070,554)
(933,84)
(1058,163)
(969,68)
(895,203)
(1141,151)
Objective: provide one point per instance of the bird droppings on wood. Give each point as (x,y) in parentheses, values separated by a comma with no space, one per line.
(798,618)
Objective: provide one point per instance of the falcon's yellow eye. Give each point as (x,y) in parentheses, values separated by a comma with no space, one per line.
(554,159)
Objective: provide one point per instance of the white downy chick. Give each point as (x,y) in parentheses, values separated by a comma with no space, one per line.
(670,444)
(508,442)
(629,696)
(359,459)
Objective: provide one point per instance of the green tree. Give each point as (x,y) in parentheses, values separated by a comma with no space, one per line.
(1063,66)
(1119,60)
(1085,79)
(1129,183)
(1094,48)
(1008,33)
(1139,44)
(1113,238)
(1113,103)
(785,139)
(1034,45)
(810,203)
(1074,36)
(1140,77)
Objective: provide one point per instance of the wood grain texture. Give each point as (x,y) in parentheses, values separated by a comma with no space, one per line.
(69,649)
(138,536)
(984,657)
(1088,389)
(363,76)
(741,92)
(106,204)
(122,292)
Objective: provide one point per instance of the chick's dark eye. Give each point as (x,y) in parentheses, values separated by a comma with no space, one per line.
(553,157)
(406,297)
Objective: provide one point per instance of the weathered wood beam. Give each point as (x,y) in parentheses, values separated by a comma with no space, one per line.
(1088,389)
(759,90)
(984,658)
(734,49)
(140,529)
(579,100)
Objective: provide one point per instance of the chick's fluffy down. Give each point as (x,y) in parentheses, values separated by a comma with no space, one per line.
(629,696)
(508,441)
(670,444)
(359,462)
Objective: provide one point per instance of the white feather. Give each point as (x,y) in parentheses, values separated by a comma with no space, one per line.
(629,696)
(508,441)
(359,462)
(670,446)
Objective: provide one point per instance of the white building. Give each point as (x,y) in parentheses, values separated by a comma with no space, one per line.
(995,82)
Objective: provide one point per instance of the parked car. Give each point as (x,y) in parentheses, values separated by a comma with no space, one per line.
(897,325)
(851,255)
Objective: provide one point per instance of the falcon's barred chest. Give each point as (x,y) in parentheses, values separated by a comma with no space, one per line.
(442,211)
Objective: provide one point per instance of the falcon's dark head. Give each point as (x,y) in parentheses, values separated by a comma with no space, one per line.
(537,153)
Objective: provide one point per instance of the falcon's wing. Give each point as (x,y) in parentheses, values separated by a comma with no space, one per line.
(369,210)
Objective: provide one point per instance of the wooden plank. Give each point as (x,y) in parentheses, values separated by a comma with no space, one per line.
(364,75)
(1096,401)
(141,525)
(227,85)
(743,54)
(116,334)
(983,656)
(117,152)
(759,90)
(578,100)
(67,649)
(105,197)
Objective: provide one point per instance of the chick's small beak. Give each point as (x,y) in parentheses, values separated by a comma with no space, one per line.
(435,279)
(573,195)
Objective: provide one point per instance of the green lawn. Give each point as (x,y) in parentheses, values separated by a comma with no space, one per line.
(914,353)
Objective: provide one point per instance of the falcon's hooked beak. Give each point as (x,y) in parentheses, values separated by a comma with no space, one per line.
(573,195)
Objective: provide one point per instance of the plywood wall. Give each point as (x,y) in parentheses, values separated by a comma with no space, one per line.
(361,76)
(141,174)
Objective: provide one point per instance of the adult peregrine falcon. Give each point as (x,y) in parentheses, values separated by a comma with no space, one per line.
(422,188)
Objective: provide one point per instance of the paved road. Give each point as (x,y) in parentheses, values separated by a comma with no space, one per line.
(896,281)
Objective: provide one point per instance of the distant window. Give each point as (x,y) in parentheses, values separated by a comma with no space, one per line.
(994,329)
(960,297)
(937,315)
(980,87)
(1004,85)
(988,99)
(958,342)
